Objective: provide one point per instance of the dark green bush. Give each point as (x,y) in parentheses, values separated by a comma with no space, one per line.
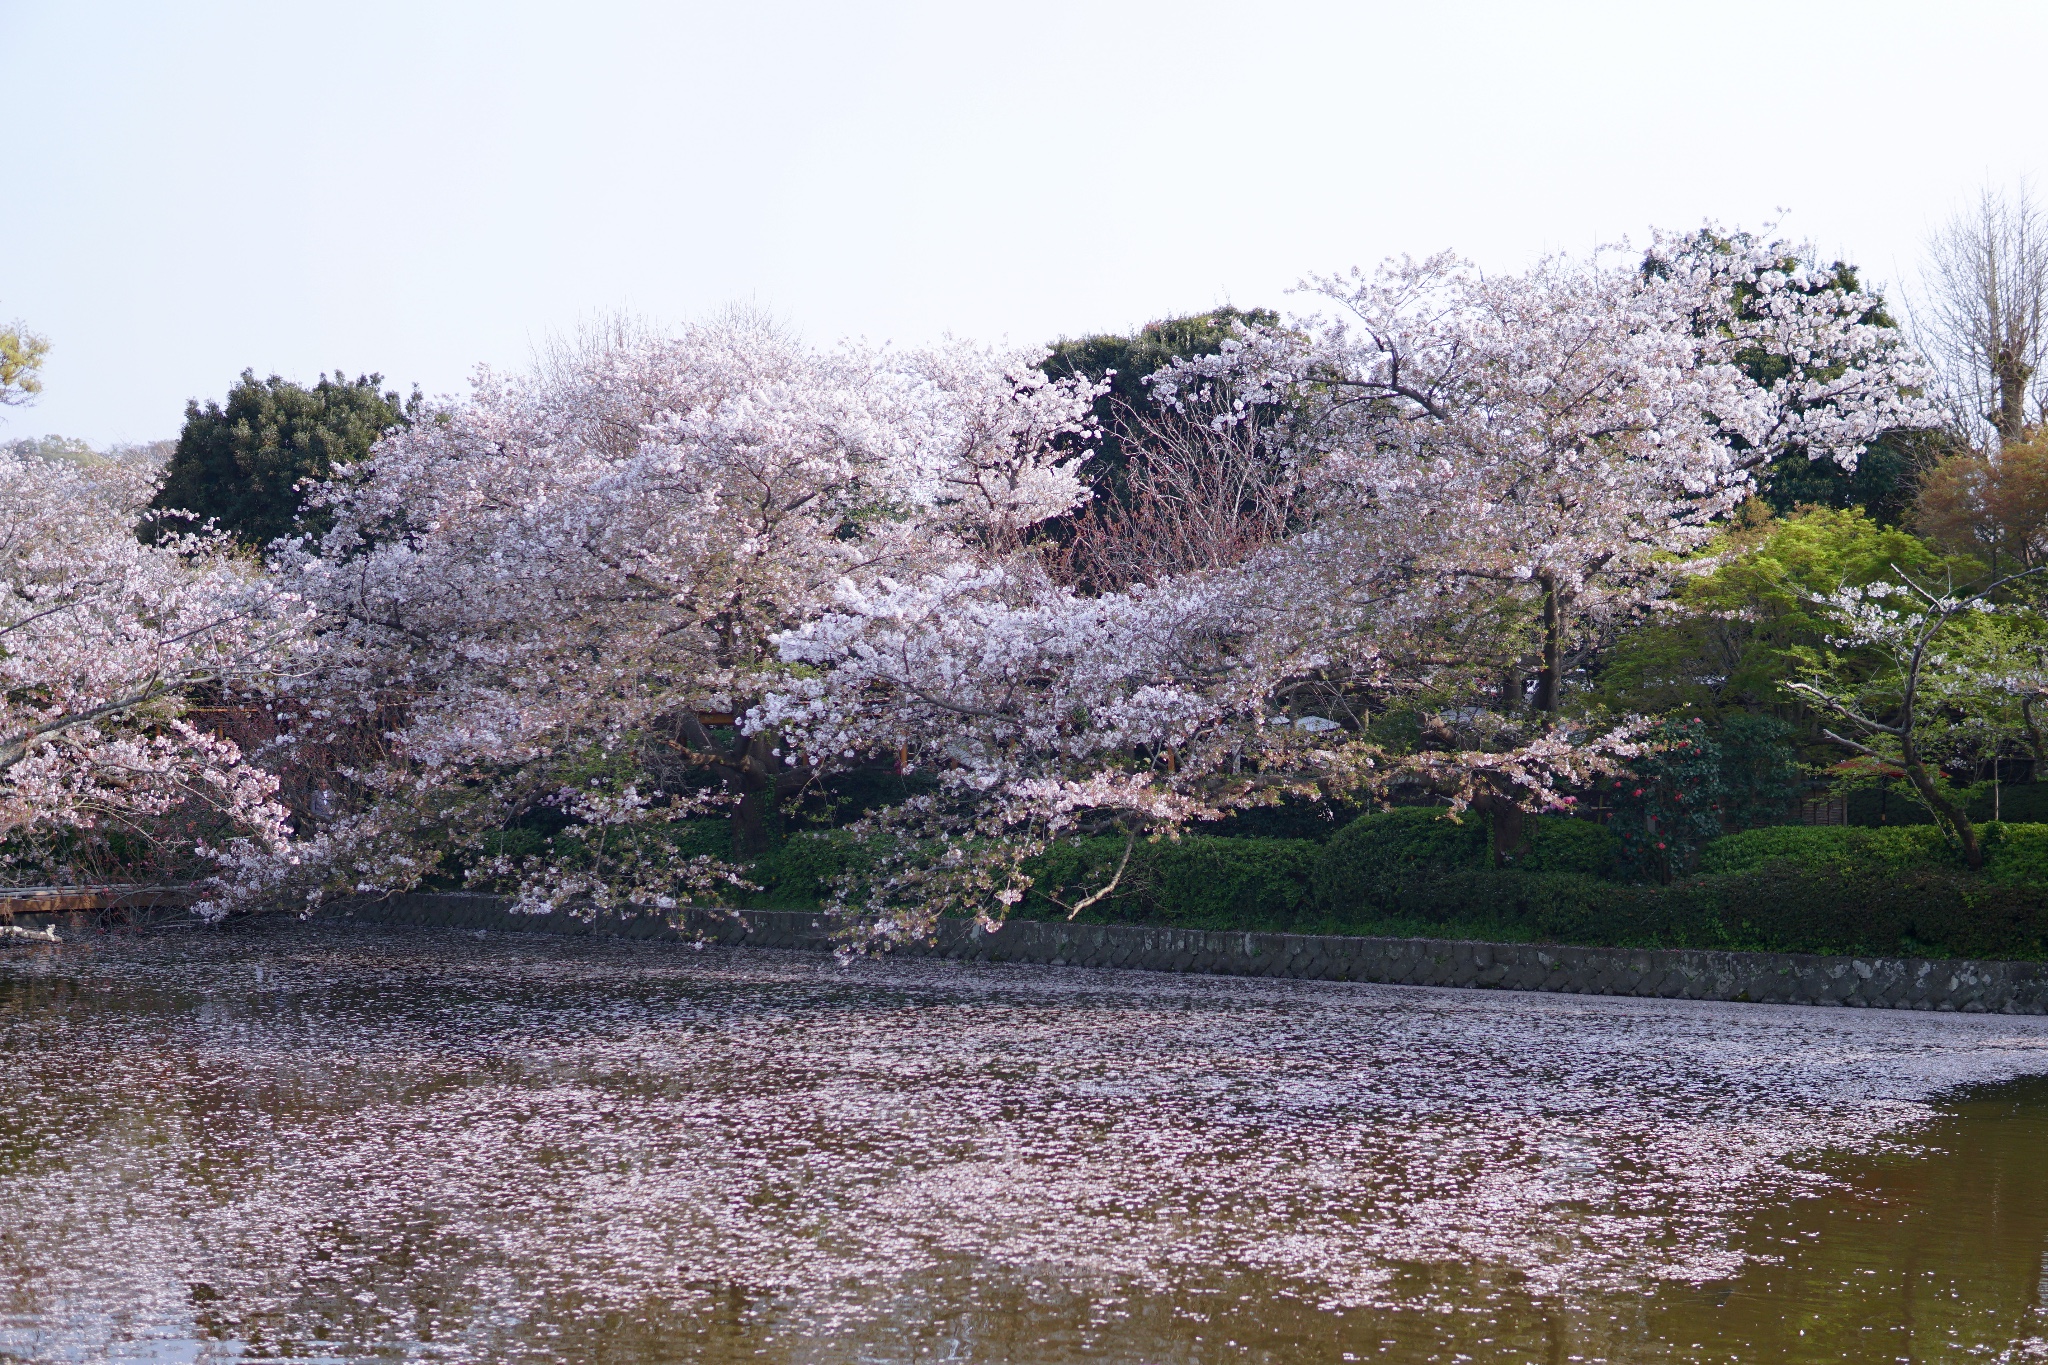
(1760,773)
(1198,882)
(1562,844)
(1892,892)
(1915,911)
(805,869)
(1668,806)
(1375,854)
(1779,907)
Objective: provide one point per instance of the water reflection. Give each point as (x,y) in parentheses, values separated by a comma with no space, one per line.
(290,1143)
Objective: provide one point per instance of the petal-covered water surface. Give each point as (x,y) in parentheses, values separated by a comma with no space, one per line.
(291,1141)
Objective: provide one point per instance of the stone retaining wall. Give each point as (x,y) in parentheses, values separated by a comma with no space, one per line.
(1678,973)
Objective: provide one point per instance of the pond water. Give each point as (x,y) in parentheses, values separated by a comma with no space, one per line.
(331,1144)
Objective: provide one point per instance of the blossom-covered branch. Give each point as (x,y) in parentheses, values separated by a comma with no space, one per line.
(104,645)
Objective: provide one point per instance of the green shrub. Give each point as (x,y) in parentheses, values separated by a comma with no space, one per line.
(1779,907)
(1376,853)
(1842,848)
(1562,844)
(1910,912)
(1199,881)
(2016,855)
(1818,889)
(804,870)
(1668,806)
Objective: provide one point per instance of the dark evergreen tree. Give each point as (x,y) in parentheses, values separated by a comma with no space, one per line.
(242,465)
(1127,359)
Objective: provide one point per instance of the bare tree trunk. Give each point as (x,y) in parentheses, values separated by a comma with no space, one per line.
(753,771)
(2012,373)
(753,819)
(1986,317)
(1514,690)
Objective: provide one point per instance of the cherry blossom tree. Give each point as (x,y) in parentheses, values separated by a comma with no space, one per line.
(1489,469)
(106,644)
(558,596)
(1560,436)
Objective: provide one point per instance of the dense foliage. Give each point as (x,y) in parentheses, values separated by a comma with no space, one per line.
(245,466)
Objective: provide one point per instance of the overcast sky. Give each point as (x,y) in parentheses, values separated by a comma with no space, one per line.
(418,187)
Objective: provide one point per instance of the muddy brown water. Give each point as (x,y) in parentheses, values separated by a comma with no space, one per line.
(305,1143)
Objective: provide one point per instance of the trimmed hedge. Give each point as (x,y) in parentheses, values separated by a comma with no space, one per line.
(1376,853)
(1197,881)
(1778,908)
(2014,855)
(1561,844)
(1818,889)
(1840,848)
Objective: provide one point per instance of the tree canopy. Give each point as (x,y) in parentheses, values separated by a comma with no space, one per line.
(243,466)
(1735,636)
(22,353)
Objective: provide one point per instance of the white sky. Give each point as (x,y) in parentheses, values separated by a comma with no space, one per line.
(417,187)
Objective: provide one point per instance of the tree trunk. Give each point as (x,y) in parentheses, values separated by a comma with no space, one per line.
(1513,690)
(1509,824)
(753,819)
(1916,773)
(2012,373)
(1547,681)
(752,770)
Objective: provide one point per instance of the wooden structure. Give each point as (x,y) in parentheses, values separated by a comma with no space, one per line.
(114,900)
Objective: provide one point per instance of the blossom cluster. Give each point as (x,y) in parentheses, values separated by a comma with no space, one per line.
(108,646)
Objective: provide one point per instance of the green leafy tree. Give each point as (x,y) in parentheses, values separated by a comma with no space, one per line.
(1760,772)
(21,361)
(1901,673)
(1733,636)
(244,466)
(1883,485)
